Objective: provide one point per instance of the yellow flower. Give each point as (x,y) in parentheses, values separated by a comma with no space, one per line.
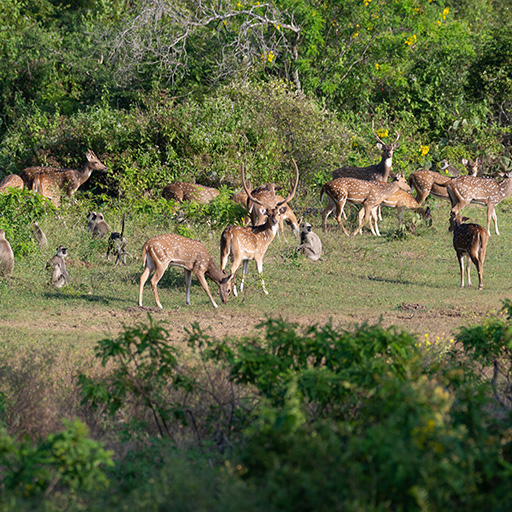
(445,13)
(377,66)
(424,150)
(354,35)
(271,56)
(383,133)
(411,40)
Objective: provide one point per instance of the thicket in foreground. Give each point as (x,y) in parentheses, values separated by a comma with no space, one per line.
(301,419)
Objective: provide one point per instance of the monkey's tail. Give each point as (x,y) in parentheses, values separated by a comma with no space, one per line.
(122,225)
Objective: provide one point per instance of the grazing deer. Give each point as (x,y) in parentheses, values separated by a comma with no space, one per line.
(251,243)
(67,180)
(11,181)
(351,190)
(182,191)
(400,199)
(376,172)
(484,191)
(46,185)
(470,241)
(161,251)
(427,182)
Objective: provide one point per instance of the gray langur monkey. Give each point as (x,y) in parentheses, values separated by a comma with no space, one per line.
(91,220)
(39,235)
(57,265)
(310,243)
(6,255)
(97,225)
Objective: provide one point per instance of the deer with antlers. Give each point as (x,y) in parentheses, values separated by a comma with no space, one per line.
(376,172)
(484,191)
(67,180)
(182,191)
(161,251)
(267,195)
(470,242)
(351,190)
(427,182)
(244,244)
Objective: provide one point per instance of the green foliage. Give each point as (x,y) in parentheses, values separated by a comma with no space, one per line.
(20,208)
(330,369)
(142,367)
(489,345)
(67,459)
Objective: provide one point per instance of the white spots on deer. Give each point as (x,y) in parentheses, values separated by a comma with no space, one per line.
(161,251)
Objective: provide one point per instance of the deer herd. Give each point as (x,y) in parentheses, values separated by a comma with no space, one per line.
(267,211)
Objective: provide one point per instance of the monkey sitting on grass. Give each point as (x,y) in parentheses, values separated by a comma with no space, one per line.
(310,243)
(6,256)
(57,265)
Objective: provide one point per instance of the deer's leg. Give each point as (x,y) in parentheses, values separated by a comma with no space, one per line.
(188,281)
(202,279)
(492,215)
(259,266)
(468,268)
(234,268)
(159,272)
(143,279)
(374,215)
(479,268)
(339,211)
(245,268)
(460,257)
(326,214)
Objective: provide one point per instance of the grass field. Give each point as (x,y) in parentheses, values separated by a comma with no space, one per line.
(47,335)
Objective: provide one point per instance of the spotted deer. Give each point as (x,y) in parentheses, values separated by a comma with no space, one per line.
(483,191)
(401,199)
(376,172)
(46,185)
(67,180)
(470,242)
(182,191)
(244,244)
(11,181)
(351,190)
(161,251)
(427,182)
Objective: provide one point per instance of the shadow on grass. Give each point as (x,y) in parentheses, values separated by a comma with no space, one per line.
(91,298)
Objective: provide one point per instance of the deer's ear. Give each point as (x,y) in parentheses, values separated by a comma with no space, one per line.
(380,146)
(464,219)
(282,210)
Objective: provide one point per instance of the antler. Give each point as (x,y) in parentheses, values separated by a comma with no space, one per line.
(292,193)
(249,195)
(381,141)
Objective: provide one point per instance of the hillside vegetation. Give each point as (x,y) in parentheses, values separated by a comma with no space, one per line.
(365,381)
